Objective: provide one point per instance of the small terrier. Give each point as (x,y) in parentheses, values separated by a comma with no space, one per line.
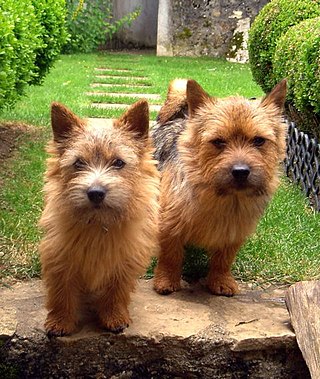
(219,160)
(100,217)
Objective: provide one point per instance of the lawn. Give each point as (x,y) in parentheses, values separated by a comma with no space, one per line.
(285,247)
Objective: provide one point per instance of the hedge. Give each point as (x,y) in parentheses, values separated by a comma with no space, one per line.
(31,35)
(274,20)
(297,57)
(20,37)
(52,17)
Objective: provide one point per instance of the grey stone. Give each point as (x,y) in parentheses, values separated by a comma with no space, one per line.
(189,334)
(152,107)
(216,28)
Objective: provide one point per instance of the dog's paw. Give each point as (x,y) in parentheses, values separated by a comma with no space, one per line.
(56,328)
(115,323)
(223,285)
(164,286)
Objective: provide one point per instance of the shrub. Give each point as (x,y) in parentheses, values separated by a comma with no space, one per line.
(297,57)
(90,22)
(51,15)
(273,21)
(20,37)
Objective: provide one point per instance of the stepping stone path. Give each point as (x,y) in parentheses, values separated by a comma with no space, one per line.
(107,75)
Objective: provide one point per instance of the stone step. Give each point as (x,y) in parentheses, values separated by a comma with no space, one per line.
(152,107)
(189,334)
(149,96)
(102,69)
(121,77)
(139,85)
(108,121)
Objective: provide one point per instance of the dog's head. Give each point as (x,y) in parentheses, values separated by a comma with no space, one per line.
(98,165)
(233,144)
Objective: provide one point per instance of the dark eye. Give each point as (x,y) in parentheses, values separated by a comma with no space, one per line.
(219,143)
(118,163)
(258,141)
(79,164)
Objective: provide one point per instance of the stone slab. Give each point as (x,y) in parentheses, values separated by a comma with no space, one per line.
(152,107)
(103,69)
(189,334)
(108,121)
(121,77)
(149,96)
(94,85)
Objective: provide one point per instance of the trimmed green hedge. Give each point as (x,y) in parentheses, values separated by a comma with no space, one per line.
(52,17)
(297,57)
(19,38)
(30,38)
(274,20)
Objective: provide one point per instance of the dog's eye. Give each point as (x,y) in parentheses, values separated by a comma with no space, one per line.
(258,141)
(118,163)
(79,164)
(219,143)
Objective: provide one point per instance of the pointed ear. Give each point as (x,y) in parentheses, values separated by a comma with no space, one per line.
(277,96)
(63,122)
(196,96)
(136,119)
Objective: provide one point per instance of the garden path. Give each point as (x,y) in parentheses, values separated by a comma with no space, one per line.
(119,88)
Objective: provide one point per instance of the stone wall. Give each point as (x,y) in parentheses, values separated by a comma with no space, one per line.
(217,28)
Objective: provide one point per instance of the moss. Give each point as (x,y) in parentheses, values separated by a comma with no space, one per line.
(185,34)
(235,44)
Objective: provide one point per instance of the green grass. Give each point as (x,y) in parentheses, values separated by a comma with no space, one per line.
(285,247)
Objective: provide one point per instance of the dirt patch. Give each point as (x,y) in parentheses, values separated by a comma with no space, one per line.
(10,134)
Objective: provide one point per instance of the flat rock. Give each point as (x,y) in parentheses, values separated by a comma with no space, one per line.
(149,96)
(108,121)
(101,76)
(136,85)
(189,334)
(152,107)
(103,69)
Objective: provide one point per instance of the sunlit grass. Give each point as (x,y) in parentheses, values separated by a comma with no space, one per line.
(286,245)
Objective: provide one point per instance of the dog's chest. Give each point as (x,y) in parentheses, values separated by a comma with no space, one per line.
(223,224)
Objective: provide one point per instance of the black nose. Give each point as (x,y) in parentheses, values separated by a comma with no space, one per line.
(240,172)
(96,194)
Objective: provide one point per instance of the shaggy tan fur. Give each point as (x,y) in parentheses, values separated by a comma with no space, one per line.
(100,216)
(219,170)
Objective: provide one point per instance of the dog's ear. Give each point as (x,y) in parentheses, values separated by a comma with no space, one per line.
(63,121)
(276,97)
(196,96)
(135,119)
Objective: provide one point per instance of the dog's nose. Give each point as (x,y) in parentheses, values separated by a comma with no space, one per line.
(240,172)
(96,194)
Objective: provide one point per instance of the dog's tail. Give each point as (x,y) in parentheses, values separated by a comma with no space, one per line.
(176,105)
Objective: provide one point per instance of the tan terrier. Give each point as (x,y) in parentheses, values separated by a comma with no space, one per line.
(100,216)
(219,160)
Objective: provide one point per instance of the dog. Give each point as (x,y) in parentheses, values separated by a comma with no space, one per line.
(100,218)
(219,162)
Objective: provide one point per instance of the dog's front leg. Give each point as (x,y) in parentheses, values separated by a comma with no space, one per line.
(62,304)
(112,304)
(220,280)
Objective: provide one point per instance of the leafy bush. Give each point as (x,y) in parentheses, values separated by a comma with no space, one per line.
(297,57)
(51,15)
(274,20)
(90,22)
(20,38)
(31,35)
